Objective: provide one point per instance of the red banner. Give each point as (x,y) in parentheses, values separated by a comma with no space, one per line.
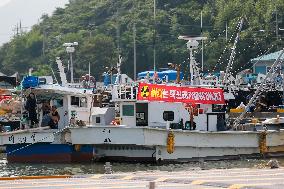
(194,95)
(5,97)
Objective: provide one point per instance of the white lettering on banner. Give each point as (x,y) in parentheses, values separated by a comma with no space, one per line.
(217,96)
(178,95)
(184,95)
(189,95)
(173,94)
(210,96)
(165,94)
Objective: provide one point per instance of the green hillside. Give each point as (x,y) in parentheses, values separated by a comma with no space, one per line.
(103,28)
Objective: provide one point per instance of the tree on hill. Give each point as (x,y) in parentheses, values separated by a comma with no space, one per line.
(104,29)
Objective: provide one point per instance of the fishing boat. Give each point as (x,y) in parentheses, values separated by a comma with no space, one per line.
(177,123)
(143,121)
(41,142)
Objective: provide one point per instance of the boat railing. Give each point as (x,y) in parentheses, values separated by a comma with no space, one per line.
(124,92)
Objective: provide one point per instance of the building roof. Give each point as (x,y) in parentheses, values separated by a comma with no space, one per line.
(268,57)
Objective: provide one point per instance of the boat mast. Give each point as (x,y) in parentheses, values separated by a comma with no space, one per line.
(259,89)
(118,65)
(233,53)
(61,71)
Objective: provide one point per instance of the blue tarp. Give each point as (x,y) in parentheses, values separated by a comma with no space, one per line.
(171,74)
(30,81)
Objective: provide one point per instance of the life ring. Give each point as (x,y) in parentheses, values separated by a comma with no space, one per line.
(171,142)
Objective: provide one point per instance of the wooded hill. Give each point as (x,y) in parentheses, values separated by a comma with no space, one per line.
(104,28)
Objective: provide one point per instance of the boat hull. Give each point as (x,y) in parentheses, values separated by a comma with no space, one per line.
(49,153)
(128,144)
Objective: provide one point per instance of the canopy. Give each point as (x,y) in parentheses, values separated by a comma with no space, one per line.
(11,80)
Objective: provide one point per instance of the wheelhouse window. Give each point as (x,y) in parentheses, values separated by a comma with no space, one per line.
(58,103)
(83,102)
(78,101)
(75,101)
(218,108)
(98,120)
(168,115)
(128,110)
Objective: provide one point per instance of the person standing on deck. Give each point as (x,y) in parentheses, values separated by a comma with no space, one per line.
(55,118)
(31,108)
(46,107)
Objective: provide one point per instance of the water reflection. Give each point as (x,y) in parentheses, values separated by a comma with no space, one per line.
(95,168)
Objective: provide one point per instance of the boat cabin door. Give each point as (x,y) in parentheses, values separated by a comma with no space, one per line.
(142,114)
(128,116)
(216,122)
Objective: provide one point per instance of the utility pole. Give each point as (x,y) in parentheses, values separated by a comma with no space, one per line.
(70,48)
(16,30)
(154,40)
(134,51)
(43,43)
(226,31)
(202,57)
(276,24)
(118,38)
(21,27)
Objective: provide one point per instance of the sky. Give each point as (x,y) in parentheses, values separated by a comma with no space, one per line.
(28,12)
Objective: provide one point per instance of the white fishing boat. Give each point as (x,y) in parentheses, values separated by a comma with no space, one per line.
(176,123)
(147,122)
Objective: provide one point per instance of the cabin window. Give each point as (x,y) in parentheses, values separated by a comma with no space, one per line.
(98,119)
(168,115)
(128,110)
(58,103)
(83,102)
(78,101)
(218,108)
(75,101)
(42,81)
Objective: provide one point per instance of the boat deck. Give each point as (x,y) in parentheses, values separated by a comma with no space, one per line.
(196,179)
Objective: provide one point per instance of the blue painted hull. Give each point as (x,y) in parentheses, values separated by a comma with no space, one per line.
(49,153)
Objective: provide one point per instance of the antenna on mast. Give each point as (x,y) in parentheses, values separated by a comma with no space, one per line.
(192,44)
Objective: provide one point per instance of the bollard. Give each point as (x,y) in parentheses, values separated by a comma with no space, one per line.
(108,169)
(201,163)
(273,164)
(151,185)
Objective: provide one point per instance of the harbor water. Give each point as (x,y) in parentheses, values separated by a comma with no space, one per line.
(16,169)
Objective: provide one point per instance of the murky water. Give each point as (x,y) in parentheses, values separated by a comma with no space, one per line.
(94,168)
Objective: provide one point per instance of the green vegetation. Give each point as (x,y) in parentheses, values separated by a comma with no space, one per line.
(96,25)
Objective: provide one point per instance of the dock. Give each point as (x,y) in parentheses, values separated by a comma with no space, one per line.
(195,179)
